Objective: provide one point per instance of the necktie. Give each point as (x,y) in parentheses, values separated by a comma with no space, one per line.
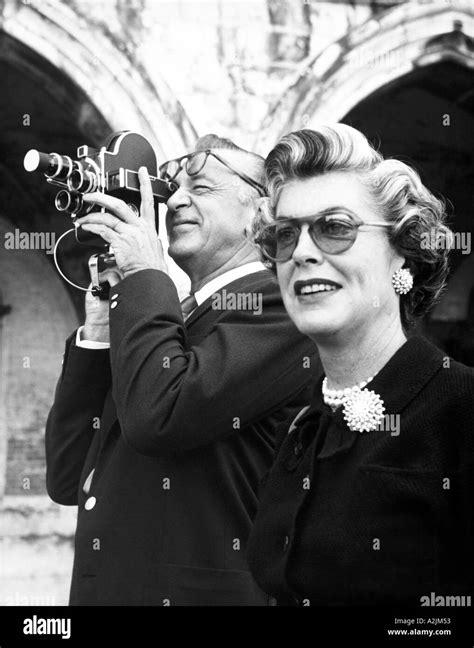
(188,305)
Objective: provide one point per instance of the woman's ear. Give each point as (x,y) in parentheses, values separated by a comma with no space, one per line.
(399,261)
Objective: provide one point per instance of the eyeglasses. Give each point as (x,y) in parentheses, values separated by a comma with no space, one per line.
(193,163)
(332,233)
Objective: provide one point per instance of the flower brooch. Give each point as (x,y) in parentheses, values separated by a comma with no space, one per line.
(363,409)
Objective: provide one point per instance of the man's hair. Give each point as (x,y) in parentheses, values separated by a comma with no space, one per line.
(210,141)
(252,163)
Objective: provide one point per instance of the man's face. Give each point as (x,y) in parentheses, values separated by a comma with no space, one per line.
(206,215)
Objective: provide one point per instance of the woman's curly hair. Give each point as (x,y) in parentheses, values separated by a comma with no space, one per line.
(419,231)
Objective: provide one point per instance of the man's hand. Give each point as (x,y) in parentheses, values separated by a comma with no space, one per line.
(134,241)
(96,326)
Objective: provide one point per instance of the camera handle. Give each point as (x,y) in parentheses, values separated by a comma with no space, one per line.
(97,264)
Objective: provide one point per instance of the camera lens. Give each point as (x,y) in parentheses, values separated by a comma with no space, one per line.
(76,178)
(62,200)
(52,165)
(76,204)
(60,166)
(67,167)
(68,202)
(82,180)
(92,180)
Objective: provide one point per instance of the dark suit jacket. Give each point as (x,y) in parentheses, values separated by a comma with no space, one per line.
(187,417)
(381,517)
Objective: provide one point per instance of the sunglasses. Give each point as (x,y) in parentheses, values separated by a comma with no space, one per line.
(193,163)
(332,233)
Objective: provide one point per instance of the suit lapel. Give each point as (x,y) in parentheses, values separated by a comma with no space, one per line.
(199,312)
(232,286)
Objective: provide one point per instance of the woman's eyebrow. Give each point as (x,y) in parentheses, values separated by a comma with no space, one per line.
(323,212)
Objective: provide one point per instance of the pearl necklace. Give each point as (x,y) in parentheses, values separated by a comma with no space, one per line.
(335,397)
(363,409)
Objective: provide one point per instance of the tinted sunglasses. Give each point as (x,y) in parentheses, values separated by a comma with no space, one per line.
(333,233)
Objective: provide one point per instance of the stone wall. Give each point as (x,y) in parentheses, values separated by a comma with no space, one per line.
(33,335)
(36,534)
(36,551)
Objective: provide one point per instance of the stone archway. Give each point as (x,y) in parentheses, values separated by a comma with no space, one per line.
(383,49)
(119,87)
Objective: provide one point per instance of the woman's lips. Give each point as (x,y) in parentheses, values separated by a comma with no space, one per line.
(317,286)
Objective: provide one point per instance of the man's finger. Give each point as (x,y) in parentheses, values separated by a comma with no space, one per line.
(115,205)
(104,232)
(98,218)
(147,207)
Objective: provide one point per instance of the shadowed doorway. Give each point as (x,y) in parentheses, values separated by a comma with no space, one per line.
(426,118)
(40,107)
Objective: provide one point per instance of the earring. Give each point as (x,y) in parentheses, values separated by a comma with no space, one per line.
(402,281)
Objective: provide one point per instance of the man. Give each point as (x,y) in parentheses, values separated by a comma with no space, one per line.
(162,439)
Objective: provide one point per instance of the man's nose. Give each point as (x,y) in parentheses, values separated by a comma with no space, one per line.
(306,251)
(180,198)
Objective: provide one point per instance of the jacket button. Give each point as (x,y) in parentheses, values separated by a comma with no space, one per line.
(286,543)
(114,296)
(298,449)
(113,304)
(90,503)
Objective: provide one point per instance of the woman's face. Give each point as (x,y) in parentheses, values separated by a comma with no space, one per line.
(329,295)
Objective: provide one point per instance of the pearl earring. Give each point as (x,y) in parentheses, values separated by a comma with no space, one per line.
(402,281)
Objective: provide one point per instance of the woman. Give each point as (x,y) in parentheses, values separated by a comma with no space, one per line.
(370,499)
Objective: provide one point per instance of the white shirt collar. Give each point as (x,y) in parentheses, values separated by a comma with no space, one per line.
(226,278)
